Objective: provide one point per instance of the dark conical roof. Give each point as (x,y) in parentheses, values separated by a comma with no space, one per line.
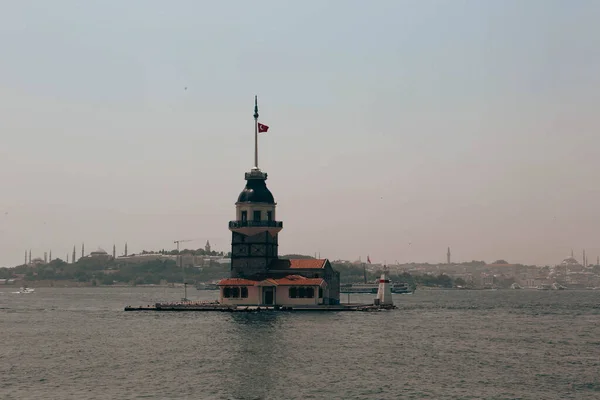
(256,191)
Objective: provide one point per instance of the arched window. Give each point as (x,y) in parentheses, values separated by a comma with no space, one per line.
(226,292)
(244,292)
(293,293)
(235,292)
(310,292)
(302,292)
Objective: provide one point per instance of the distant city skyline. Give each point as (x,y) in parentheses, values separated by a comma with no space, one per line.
(583,261)
(397,129)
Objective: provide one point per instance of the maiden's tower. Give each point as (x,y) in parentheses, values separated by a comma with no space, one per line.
(258,275)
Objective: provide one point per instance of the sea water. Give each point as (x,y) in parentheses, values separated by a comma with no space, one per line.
(78,343)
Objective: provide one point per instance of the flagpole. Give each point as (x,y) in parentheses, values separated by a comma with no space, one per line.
(255,132)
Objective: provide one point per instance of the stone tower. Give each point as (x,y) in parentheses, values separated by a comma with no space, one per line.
(207,248)
(255,228)
(448,254)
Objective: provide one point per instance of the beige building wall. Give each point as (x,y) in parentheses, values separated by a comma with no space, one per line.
(282,297)
(254,297)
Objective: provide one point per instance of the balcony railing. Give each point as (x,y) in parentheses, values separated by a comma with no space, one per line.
(255,224)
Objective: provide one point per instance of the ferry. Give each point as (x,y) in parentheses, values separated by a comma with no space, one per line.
(373,287)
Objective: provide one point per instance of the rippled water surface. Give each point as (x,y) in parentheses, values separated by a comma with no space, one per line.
(77,343)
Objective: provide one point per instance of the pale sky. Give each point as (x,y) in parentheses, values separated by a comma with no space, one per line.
(397,128)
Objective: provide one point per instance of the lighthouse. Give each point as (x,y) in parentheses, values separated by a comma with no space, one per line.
(384,292)
(254,238)
(258,277)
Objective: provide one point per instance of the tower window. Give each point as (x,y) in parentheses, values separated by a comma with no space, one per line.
(269,216)
(257,215)
(244,216)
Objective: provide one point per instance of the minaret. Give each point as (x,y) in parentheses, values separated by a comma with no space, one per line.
(82,249)
(114,251)
(572,253)
(45,258)
(67,258)
(448,256)
(125,249)
(74,255)
(25,263)
(583,258)
(50,256)
(255,229)
(29,256)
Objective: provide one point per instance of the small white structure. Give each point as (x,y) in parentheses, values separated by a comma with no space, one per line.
(384,293)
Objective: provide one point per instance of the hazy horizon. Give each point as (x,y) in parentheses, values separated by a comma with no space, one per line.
(397,129)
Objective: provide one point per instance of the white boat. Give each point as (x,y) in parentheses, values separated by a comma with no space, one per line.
(557,286)
(26,290)
(398,288)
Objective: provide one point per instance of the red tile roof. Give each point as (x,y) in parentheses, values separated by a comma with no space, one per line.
(236,282)
(297,280)
(290,280)
(300,263)
(267,282)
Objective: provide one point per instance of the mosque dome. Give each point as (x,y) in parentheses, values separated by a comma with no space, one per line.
(256,191)
(570,261)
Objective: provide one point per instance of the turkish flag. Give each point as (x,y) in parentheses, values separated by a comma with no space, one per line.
(262,128)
